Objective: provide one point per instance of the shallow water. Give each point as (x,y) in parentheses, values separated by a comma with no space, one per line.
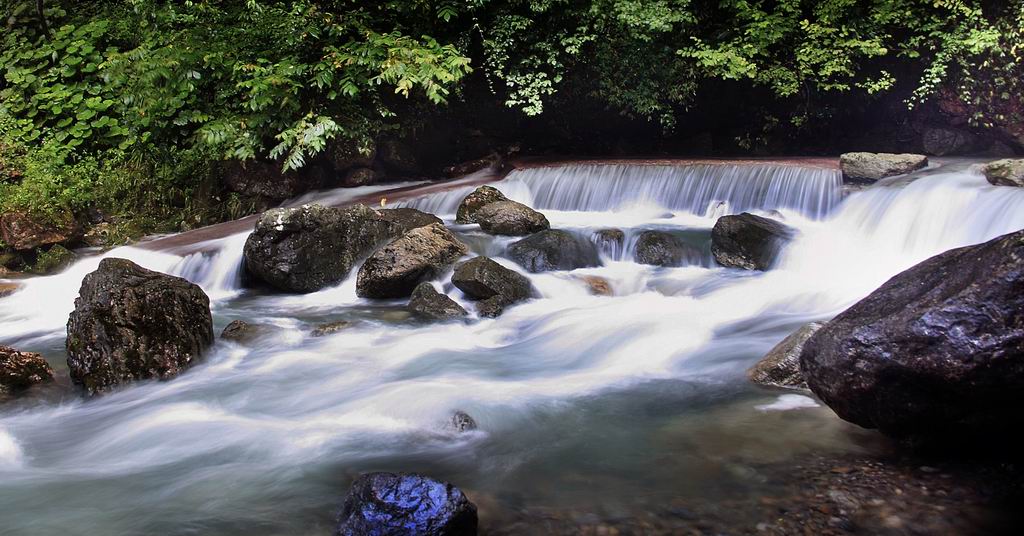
(610,405)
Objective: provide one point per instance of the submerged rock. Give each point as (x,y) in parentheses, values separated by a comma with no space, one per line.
(780,367)
(330,328)
(407,219)
(420,255)
(6,289)
(19,371)
(747,241)
(463,422)
(554,249)
(428,303)
(510,218)
(242,332)
(475,201)
(24,232)
(1007,172)
(871,167)
(495,286)
(659,248)
(380,504)
(938,350)
(131,323)
(598,286)
(312,247)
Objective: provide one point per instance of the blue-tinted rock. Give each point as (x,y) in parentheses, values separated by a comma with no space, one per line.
(389,504)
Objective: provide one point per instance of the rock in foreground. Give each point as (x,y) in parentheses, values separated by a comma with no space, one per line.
(475,201)
(780,367)
(420,255)
(19,371)
(510,218)
(747,241)
(312,247)
(389,504)
(131,323)
(554,249)
(870,167)
(1008,172)
(495,286)
(937,350)
(427,303)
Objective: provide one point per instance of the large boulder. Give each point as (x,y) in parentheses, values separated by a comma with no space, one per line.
(266,179)
(389,504)
(936,350)
(554,249)
(407,219)
(490,283)
(946,141)
(510,218)
(870,167)
(312,247)
(422,254)
(131,323)
(19,371)
(427,303)
(23,232)
(659,248)
(1007,172)
(747,241)
(359,177)
(780,367)
(475,201)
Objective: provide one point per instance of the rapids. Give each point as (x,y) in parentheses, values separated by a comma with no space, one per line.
(608,404)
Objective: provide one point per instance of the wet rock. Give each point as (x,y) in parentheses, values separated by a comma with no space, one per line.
(747,241)
(407,219)
(359,177)
(266,179)
(330,328)
(659,248)
(475,201)
(495,286)
(6,289)
(422,254)
(23,232)
(462,422)
(597,285)
(780,367)
(381,504)
(131,323)
(428,303)
(610,241)
(510,218)
(554,249)
(53,260)
(871,167)
(1007,172)
(99,235)
(242,332)
(935,351)
(19,371)
(312,247)
(491,162)
(946,141)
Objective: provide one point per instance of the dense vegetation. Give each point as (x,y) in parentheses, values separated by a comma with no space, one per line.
(129,106)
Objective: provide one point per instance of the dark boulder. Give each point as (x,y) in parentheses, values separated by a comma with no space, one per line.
(659,248)
(312,247)
(510,218)
(23,232)
(359,177)
(266,179)
(870,167)
(554,249)
(428,303)
(780,367)
(422,254)
(946,141)
(490,283)
(131,323)
(345,153)
(490,162)
(399,158)
(389,504)
(475,201)
(610,241)
(407,219)
(242,332)
(19,371)
(938,350)
(1007,172)
(747,241)
(463,422)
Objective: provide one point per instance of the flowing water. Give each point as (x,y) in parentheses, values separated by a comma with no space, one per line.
(607,405)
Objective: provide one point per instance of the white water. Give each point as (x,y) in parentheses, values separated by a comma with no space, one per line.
(261,439)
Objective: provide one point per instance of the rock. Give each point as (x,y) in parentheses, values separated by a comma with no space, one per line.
(266,179)
(428,303)
(871,167)
(23,232)
(19,371)
(53,260)
(420,255)
(407,219)
(475,201)
(946,141)
(312,247)
(344,153)
(330,328)
(492,284)
(242,332)
(398,157)
(510,218)
(554,249)
(747,241)
(937,350)
(359,177)
(492,161)
(462,422)
(1007,172)
(131,323)
(659,248)
(380,504)
(598,286)
(610,241)
(99,235)
(780,367)
(6,289)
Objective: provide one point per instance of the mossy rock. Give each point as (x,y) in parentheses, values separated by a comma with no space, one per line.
(53,260)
